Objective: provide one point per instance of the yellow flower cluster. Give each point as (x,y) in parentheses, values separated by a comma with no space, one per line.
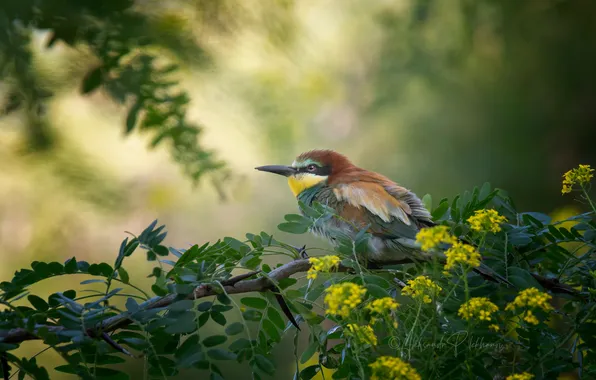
(578,176)
(362,334)
(321,264)
(390,368)
(461,253)
(531,298)
(432,237)
(486,221)
(478,307)
(382,305)
(422,288)
(342,298)
(520,376)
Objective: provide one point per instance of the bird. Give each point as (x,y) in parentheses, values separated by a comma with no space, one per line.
(362,200)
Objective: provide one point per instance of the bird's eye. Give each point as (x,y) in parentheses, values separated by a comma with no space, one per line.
(311,168)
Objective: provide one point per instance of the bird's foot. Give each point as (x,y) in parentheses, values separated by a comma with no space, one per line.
(301,251)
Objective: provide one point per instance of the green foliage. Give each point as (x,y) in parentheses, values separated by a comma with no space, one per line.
(179,331)
(130,66)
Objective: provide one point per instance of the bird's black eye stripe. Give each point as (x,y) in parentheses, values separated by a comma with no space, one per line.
(315,169)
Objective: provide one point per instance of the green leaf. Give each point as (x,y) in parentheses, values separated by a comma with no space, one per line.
(123,275)
(254,302)
(107,359)
(236,244)
(70,266)
(276,318)
(293,228)
(161,250)
(93,281)
(218,317)
(427,200)
(455,209)
(235,328)
(182,324)
(376,291)
(271,330)
(252,315)
(484,191)
(71,369)
(204,306)
(224,299)
(92,80)
(239,344)
(133,113)
(309,372)
(296,218)
(309,352)
(441,209)
(103,373)
(8,346)
(132,305)
(158,291)
(264,364)
(214,340)
(377,280)
(190,254)
(203,318)
(181,305)
(519,238)
(522,279)
(222,308)
(38,302)
(219,354)
(286,282)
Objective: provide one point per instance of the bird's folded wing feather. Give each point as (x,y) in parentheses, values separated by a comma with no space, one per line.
(371,203)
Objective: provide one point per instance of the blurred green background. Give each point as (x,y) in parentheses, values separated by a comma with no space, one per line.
(439,95)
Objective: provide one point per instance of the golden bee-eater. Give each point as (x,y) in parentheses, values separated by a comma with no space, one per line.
(392,214)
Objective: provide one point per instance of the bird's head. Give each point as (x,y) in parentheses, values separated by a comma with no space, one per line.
(310,169)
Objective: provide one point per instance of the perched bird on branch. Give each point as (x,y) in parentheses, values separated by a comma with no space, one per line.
(392,214)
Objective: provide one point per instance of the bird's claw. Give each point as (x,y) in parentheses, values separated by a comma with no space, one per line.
(302,252)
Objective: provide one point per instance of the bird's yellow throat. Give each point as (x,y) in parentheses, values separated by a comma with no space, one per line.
(304,181)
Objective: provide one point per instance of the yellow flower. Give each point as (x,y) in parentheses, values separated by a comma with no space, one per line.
(390,368)
(342,298)
(462,253)
(432,237)
(362,334)
(322,264)
(530,318)
(520,376)
(531,298)
(421,288)
(486,221)
(382,305)
(494,327)
(478,307)
(578,176)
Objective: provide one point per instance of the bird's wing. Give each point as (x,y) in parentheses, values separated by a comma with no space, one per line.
(383,206)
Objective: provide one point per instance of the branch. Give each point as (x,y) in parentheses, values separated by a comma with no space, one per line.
(234,285)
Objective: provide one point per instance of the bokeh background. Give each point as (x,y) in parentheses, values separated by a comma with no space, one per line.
(439,95)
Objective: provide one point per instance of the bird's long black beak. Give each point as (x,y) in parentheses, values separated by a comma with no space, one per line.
(286,171)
